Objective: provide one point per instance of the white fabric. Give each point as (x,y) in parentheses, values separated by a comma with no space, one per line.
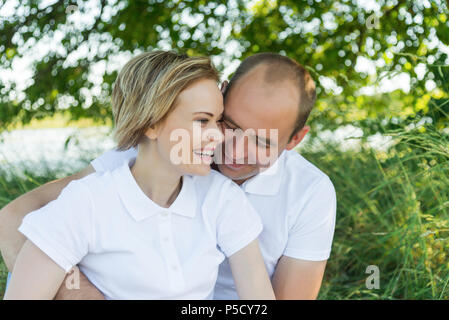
(131,248)
(297,204)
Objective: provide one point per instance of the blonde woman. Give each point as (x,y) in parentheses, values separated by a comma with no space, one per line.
(159,225)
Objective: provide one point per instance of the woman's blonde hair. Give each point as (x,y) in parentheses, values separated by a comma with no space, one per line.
(146,89)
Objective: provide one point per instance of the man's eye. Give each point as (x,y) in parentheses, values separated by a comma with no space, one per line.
(228,126)
(262,144)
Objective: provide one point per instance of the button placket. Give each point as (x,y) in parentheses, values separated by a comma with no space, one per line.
(174,271)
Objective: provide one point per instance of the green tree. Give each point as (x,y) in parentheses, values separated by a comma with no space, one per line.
(327,36)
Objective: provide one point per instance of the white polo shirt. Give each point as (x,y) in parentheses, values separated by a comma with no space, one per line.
(296,202)
(131,248)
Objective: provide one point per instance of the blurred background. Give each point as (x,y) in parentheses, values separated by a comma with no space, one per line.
(380,128)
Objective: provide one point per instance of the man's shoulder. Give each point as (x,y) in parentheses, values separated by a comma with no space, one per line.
(310,193)
(303,181)
(112,159)
(300,170)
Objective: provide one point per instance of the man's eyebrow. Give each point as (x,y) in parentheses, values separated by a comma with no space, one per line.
(226,118)
(266,141)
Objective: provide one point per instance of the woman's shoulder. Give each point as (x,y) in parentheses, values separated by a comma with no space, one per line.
(94,185)
(213,180)
(216,187)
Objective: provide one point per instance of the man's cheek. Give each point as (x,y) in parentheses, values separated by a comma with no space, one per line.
(252,155)
(266,156)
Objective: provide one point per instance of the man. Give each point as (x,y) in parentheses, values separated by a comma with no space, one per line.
(296,201)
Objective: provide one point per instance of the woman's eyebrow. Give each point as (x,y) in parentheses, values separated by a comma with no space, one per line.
(208,113)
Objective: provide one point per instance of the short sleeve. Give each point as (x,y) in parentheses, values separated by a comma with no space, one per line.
(310,237)
(112,159)
(238,223)
(63,228)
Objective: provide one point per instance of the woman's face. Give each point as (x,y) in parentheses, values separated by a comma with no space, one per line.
(188,136)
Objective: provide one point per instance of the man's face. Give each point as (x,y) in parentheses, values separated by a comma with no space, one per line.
(253,105)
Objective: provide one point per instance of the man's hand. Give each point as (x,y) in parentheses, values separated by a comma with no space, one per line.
(76,286)
(296,279)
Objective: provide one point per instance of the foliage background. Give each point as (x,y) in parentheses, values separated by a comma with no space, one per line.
(393,204)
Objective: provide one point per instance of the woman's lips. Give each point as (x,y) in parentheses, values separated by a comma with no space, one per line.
(205,155)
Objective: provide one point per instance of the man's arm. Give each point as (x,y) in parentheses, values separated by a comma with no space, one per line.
(300,270)
(296,279)
(11,240)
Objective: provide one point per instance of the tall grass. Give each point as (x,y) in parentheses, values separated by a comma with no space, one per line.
(393,212)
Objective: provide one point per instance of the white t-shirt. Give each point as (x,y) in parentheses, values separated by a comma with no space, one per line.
(296,202)
(131,248)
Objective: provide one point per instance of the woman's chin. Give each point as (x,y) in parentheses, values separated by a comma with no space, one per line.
(198,170)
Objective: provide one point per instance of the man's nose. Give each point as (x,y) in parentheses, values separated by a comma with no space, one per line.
(240,146)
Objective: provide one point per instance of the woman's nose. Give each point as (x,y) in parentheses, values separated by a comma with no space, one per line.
(214,133)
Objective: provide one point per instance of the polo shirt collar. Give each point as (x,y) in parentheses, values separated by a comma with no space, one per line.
(268,182)
(140,207)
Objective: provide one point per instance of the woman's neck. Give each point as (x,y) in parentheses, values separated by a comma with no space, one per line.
(155,176)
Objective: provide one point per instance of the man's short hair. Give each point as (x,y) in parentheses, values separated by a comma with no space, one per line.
(146,90)
(279,68)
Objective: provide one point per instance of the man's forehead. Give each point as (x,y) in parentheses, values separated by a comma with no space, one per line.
(239,119)
(256,77)
(269,75)
(262,81)
(261,107)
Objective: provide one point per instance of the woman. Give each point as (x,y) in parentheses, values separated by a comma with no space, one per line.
(158,226)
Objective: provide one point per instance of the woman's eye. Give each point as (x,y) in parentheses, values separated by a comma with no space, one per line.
(202,121)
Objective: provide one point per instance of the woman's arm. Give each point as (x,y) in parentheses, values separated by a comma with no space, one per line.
(35,275)
(250,274)
(11,240)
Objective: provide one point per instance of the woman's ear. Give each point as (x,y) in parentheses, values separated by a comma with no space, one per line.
(151,133)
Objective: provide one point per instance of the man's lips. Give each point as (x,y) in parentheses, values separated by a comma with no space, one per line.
(232,163)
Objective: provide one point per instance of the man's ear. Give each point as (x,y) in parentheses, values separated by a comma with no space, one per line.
(297,138)
(224,85)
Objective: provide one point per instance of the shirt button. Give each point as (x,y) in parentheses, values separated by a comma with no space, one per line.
(166,239)
(165,214)
(174,267)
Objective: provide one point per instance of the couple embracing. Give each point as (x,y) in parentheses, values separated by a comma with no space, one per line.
(228,211)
